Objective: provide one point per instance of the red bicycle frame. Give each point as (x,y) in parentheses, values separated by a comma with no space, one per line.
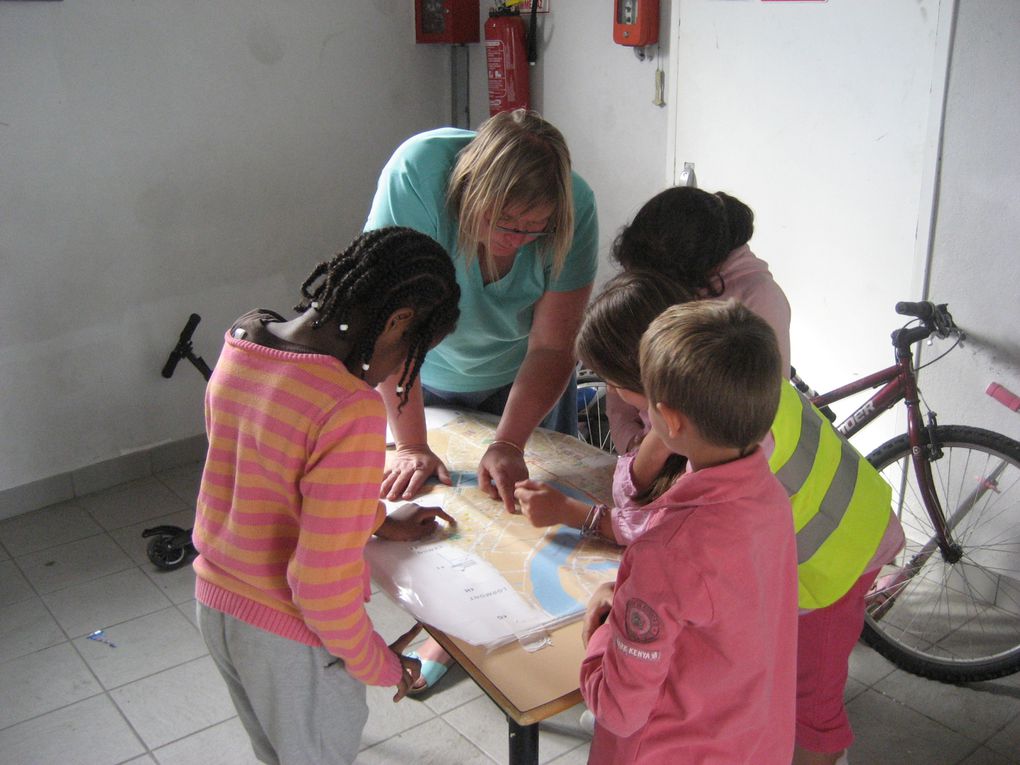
(900,384)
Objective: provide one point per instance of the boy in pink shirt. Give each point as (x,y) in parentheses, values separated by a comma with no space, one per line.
(696,659)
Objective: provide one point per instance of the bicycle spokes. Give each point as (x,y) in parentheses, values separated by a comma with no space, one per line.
(953,616)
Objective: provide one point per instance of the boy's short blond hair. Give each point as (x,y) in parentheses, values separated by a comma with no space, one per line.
(718,364)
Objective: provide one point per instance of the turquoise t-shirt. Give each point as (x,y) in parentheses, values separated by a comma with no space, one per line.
(491,339)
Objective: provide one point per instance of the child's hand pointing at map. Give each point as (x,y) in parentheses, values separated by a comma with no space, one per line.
(410,522)
(544,505)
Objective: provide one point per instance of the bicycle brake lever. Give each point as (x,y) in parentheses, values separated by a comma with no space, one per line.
(942,320)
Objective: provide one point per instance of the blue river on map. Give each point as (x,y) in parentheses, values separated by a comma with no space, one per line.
(546,565)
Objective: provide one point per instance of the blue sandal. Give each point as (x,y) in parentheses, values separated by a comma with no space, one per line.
(431,672)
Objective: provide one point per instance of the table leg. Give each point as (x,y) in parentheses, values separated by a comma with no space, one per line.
(523,743)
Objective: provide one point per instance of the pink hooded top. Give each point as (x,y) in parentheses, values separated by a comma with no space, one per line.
(697,660)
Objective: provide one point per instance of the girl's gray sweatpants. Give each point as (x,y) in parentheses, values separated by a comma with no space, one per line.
(297,702)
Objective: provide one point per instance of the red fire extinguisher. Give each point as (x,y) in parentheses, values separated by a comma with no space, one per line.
(506,58)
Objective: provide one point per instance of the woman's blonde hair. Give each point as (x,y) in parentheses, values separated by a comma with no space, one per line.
(516,160)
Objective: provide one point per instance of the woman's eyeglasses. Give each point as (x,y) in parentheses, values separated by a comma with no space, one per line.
(521,232)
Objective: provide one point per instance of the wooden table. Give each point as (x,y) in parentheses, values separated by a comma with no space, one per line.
(530,686)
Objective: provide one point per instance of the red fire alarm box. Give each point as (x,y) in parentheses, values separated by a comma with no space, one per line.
(636,22)
(446,21)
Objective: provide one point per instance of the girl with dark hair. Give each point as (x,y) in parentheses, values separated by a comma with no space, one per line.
(700,240)
(290,493)
(813,462)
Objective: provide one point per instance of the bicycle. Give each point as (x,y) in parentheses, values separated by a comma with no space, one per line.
(948,606)
(592,420)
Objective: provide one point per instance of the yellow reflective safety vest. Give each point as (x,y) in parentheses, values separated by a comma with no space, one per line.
(841,505)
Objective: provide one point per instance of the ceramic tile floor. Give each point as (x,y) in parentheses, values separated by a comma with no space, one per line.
(147,691)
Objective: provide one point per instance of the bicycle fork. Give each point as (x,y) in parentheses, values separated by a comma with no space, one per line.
(922,456)
(886,588)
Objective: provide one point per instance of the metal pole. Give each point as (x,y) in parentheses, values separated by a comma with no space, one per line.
(523,743)
(460,90)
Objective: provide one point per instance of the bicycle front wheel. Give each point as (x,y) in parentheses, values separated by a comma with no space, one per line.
(953,618)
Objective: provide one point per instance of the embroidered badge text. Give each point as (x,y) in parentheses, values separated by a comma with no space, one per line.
(637,653)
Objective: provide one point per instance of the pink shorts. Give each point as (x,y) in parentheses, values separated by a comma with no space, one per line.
(825,639)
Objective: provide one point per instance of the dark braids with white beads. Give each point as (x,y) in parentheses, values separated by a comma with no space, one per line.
(381,271)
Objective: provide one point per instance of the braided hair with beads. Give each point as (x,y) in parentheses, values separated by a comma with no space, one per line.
(381,271)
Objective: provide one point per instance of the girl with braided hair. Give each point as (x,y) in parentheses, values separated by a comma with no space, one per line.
(290,493)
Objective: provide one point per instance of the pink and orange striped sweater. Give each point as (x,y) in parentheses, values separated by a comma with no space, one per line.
(288,499)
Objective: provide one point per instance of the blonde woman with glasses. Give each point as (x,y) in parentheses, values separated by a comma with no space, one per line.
(522,230)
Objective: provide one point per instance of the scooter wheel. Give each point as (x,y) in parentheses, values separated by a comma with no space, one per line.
(166,553)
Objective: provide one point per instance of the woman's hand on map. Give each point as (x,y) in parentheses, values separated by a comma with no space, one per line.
(546,506)
(502,466)
(598,609)
(410,522)
(412,465)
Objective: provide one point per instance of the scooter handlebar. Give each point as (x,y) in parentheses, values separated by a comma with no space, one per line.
(183,347)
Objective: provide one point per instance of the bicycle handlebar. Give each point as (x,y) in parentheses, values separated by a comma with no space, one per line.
(934,318)
(922,310)
(183,347)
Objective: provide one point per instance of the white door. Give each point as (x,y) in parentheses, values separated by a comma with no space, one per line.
(817,115)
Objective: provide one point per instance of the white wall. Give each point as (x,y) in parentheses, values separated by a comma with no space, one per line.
(975,267)
(819,118)
(161,158)
(600,96)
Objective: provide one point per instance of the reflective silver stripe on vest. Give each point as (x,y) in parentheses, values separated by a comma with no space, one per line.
(834,505)
(795,472)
